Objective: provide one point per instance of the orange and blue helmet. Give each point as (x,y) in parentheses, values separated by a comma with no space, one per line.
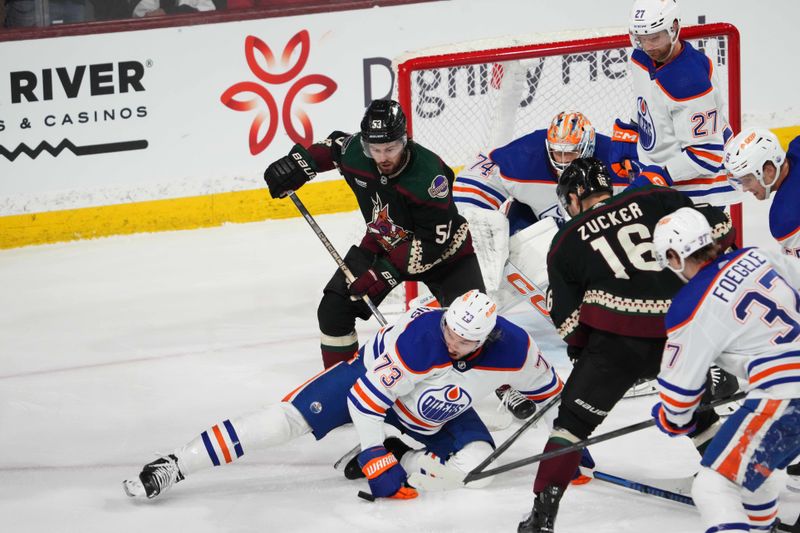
(569,133)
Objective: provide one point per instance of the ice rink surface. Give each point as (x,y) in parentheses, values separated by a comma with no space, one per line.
(114,349)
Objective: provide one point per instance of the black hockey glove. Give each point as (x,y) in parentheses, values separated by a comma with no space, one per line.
(290,172)
(376,282)
(574,353)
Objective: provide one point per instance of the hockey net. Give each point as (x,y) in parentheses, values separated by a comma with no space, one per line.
(463,99)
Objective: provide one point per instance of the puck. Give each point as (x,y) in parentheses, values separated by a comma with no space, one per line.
(366,496)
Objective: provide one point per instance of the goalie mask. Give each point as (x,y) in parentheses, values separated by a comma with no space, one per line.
(583,177)
(569,133)
(471,316)
(746,154)
(384,122)
(684,232)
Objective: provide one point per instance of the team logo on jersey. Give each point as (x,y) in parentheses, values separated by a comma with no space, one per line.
(382,227)
(361,183)
(439,187)
(647,129)
(442,404)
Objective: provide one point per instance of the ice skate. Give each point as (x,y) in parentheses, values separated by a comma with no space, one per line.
(155,478)
(517,403)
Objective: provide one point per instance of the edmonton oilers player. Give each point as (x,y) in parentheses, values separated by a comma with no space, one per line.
(738,310)
(757,164)
(421,375)
(678,117)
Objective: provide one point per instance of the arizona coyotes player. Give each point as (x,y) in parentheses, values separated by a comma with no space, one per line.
(414,231)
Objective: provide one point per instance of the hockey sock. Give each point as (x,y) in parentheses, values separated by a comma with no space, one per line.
(338,349)
(559,470)
(719,502)
(227,441)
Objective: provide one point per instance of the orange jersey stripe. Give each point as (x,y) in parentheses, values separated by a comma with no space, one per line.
(289,396)
(704,181)
(763,518)
(730,466)
(414,419)
(366,399)
(703,153)
(222,445)
(764,373)
(676,403)
(480,193)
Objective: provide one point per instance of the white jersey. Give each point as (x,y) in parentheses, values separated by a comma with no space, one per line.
(682,117)
(740,313)
(409,370)
(521,171)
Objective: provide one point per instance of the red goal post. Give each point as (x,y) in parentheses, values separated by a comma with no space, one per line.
(466,98)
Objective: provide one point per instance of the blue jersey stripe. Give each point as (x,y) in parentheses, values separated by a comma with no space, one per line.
(473,201)
(706,192)
(210,449)
(703,163)
(237,446)
(761,507)
(762,360)
(355,403)
(684,392)
(368,384)
(778,381)
(482,186)
(553,383)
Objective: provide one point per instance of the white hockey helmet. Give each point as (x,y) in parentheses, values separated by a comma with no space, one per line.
(685,231)
(747,152)
(472,316)
(652,16)
(569,132)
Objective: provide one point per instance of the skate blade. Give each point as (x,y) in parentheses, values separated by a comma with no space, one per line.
(133,488)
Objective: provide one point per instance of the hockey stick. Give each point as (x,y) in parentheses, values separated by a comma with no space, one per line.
(525,288)
(510,440)
(668,495)
(331,250)
(587,442)
(347,456)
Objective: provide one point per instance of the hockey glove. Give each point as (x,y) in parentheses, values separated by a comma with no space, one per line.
(671,429)
(651,175)
(376,282)
(623,154)
(385,475)
(290,172)
(574,353)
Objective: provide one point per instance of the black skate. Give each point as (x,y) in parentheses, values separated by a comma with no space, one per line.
(793,482)
(352,470)
(517,403)
(545,508)
(155,478)
(723,384)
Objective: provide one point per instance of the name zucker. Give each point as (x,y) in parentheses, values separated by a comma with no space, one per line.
(596,224)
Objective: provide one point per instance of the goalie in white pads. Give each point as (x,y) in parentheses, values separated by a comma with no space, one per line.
(511,191)
(739,311)
(421,375)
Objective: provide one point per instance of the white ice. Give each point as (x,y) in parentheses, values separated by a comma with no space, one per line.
(114,349)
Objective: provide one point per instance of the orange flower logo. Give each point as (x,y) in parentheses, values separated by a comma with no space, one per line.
(263,101)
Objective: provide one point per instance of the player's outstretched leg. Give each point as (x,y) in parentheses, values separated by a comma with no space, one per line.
(219,445)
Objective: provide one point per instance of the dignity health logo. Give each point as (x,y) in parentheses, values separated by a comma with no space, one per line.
(264,102)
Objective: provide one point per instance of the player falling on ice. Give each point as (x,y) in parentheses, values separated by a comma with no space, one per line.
(421,375)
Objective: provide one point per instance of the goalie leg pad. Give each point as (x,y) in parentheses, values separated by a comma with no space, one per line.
(489,229)
(528,248)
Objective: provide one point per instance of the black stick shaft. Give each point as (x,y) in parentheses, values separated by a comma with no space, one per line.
(510,440)
(584,443)
(331,250)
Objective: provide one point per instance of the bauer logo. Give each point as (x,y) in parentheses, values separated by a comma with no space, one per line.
(257,96)
(647,129)
(442,404)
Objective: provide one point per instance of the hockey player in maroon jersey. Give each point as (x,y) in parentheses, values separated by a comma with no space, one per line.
(414,231)
(609,298)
